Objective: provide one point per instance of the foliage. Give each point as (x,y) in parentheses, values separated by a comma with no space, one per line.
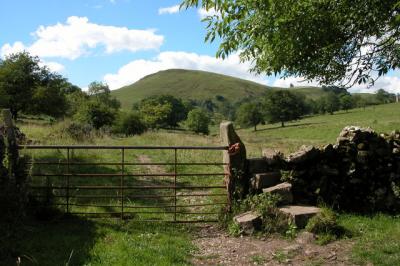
(346,102)
(234,229)
(198,121)
(384,97)
(26,86)
(249,114)
(78,131)
(96,114)
(331,102)
(129,124)
(282,106)
(162,111)
(324,222)
(328,41)
(101,92)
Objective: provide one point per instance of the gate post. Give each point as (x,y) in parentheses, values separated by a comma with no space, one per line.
(234,160)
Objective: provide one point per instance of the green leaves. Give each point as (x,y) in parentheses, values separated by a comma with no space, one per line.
(322,40)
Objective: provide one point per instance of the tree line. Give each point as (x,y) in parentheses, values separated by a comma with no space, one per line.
(26,87)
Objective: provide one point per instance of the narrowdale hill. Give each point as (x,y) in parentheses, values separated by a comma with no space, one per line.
(199,85)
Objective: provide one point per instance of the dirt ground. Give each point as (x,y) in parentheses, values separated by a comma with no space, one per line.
(216,247)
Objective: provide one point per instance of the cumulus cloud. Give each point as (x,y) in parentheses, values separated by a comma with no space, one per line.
(78,36)
(137,69)
(203,13)
(388,83)
(296,81)
(168,10)
(53,66)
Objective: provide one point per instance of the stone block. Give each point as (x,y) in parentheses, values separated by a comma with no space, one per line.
(284,190)
(300,214)
(248,221)
(265,180)
(272,156)
(304,154)
(257,165)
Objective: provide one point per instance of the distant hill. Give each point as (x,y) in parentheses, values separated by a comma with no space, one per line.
(188,84)
(199,85)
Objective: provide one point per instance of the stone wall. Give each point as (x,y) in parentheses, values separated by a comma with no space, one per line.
(361,172)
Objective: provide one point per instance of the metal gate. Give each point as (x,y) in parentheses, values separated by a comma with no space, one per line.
(126,182)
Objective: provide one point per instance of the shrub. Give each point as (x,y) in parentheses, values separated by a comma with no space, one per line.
(96,114)
(78,131)
(198,121)
(129,124)
(323,222)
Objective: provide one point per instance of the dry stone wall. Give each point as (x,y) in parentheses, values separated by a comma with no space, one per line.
(360,172)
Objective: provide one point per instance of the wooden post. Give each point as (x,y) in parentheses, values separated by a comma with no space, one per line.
(235,163)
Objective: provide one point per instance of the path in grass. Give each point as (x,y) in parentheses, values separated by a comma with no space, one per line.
(216,247)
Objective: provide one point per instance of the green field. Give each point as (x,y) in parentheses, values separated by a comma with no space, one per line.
(113,242)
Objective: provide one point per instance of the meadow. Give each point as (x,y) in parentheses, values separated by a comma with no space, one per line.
(79,241)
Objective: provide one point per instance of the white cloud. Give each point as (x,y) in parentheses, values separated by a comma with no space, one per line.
(78,36)
(53,66)
(137,69)
(388,83)
(203,13)
(296,81)
(8,49)
(168,10)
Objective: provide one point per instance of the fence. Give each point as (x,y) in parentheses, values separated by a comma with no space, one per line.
(131,186)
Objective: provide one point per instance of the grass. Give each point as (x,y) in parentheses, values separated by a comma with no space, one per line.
(377,238)
(100,242)
(115,242)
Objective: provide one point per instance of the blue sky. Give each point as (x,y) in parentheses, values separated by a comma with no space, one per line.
(120,41)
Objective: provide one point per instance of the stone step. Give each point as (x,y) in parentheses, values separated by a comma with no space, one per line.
(284,190)
(248,221)
(265,180)
(300,214)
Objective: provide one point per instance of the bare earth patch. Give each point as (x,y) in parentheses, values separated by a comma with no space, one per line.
(216,247)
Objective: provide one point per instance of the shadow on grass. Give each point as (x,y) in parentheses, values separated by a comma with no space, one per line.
(49,243)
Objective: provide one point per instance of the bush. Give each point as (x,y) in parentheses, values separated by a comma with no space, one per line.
(323,223)
(96,114)
(129,124)
(78,131)
(198,121)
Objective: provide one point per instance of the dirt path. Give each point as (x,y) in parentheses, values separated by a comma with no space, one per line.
(215,247)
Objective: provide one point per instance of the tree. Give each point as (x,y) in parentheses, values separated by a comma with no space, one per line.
(101,92)
(249,114)
(328,41)
(283,105)
(346,102)
(332,103)
(198,121)
(96,114)
(129,124)
(385,97)
(19,76)
(162,111)
(27,87)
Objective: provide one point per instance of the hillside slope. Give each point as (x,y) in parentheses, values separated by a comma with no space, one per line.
(188,84)
(198,85)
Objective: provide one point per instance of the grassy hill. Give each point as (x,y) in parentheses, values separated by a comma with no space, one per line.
(199,85)
(188,84)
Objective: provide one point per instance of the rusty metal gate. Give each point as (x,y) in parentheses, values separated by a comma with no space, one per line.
(129,185)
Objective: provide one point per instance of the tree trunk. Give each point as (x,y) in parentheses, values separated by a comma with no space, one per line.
(255,127)
(282,124)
